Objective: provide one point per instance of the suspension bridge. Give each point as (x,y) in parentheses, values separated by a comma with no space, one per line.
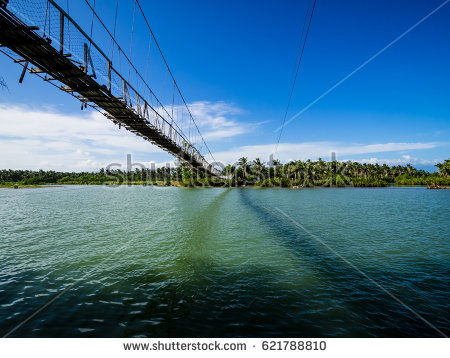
(42,37)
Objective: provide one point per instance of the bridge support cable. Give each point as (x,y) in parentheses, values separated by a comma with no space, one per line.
(92,24)
(173,78)
(131,41)
(34,31)
(122,53)
(302,45)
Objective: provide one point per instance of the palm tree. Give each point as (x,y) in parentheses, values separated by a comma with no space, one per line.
(259,166)
(411,170)
(243,163)
(385,170)
(444,168)
(296,169)
(276,165)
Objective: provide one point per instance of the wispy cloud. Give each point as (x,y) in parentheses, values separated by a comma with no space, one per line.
(313,150)
(217,120)
(404,159)
(46,138)
(59,130)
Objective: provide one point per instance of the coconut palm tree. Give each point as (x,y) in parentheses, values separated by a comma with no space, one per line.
(444,168)
(276,168)
(296,169)
(243,163)
(411,170)
(258,166)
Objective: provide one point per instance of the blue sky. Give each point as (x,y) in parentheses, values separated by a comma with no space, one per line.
(234,62)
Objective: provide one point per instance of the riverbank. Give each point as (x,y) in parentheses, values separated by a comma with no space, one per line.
(22,186)
(295,174)
(206,186)
(437,187)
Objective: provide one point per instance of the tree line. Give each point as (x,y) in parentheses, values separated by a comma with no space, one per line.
(247,173)
(334,173)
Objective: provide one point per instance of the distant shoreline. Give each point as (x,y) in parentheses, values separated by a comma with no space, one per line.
(295,174)
(178,185)
(2,186)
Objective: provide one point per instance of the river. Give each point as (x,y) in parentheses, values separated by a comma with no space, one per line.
(135,261)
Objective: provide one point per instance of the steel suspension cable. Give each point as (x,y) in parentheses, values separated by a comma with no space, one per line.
(167,66)
(131,42)
(68,23)
(114,32)
(170,72)
(126,57)
(45,20)
(296,72)
(148,57)
(92,24)
(301,39)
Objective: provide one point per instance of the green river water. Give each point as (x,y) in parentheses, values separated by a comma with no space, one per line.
(94,261)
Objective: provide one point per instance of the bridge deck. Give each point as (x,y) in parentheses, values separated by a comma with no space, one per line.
(38,51)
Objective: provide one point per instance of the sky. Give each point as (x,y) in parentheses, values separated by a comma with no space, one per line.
(234,62)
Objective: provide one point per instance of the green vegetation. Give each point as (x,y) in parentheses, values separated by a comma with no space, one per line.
(245,173)
(320,173)
(41,177)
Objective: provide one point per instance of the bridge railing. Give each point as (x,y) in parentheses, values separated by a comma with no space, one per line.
(115,72)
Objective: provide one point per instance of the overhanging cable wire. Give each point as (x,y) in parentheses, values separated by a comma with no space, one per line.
(296,72)
(173,78)
(166,64)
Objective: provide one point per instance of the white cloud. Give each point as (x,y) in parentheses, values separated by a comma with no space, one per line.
(215,116)
(46,138)
(313,150)
(215,120)
(404,159)
(60,130)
